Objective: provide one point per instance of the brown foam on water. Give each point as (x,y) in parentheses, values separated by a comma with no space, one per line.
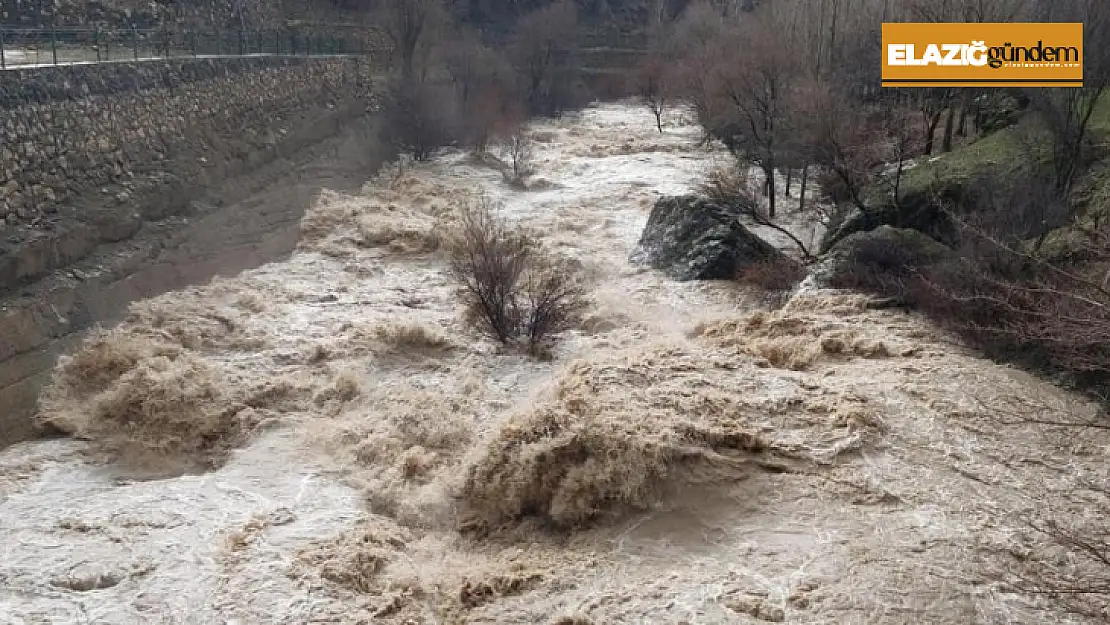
(685,456)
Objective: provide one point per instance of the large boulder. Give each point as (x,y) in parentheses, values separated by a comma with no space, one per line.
(880,255)
(918,210)
(691,238)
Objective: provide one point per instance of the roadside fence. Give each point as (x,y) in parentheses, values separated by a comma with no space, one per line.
(27,47)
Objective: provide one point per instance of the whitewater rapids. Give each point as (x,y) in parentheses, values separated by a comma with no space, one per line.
(819,463)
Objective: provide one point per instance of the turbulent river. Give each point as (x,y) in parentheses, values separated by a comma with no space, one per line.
(686,456)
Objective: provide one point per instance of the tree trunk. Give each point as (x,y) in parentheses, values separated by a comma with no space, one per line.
(949,127)
(931,132)
(820,40)
(789,178)
(770,172)
(965,107)
(898,181)
(980,116)
(802,190)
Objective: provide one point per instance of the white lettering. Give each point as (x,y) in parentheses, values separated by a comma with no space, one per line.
(896,54)
(910,58)
(977,53)
(932,55)
(945,54)
(952,51)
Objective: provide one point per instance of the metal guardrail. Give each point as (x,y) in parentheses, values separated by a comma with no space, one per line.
(30,47)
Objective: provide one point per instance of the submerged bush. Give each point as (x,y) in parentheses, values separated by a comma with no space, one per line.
(512,288)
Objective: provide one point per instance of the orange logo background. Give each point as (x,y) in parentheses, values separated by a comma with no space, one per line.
(1062,67)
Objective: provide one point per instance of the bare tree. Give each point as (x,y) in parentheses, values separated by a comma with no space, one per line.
(554,296)
(658,15)
(520,154)
(757,84)
(932,103)
(728,188)
(410,26)
(698,76)
(699,25)
(484,82)
(543,47)
(938,102)
(653,88)
(842,141)
(488,260)
(695,49)
(419,117)
(1066,113)
(901,143)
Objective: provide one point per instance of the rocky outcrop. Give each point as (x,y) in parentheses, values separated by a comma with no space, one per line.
(891,252)
(917,210)
(690,238)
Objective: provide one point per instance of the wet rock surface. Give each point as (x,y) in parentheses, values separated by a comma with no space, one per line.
(690,238)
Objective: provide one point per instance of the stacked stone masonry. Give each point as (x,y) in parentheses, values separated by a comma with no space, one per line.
(66,130)
(104,175)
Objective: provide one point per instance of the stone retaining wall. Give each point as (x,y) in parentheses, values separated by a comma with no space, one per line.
(106,170)
(66,130)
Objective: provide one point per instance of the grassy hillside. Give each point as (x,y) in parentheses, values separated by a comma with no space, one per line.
(1009,154)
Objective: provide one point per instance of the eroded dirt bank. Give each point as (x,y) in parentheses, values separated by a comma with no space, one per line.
(352,454)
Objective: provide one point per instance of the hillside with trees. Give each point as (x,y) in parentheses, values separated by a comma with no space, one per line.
(1011,181)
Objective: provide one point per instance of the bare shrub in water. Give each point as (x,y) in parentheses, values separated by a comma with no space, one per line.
(488,260)
(519,155)
(511,287)
(554,298)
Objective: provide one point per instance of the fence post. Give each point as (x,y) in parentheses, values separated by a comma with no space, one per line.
(219,48)
(135,42)
(96,42)
(240,42)
(193,39)
(53,42)
(3,61)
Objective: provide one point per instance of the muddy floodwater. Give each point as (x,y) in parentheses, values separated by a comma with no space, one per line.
(685,456)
